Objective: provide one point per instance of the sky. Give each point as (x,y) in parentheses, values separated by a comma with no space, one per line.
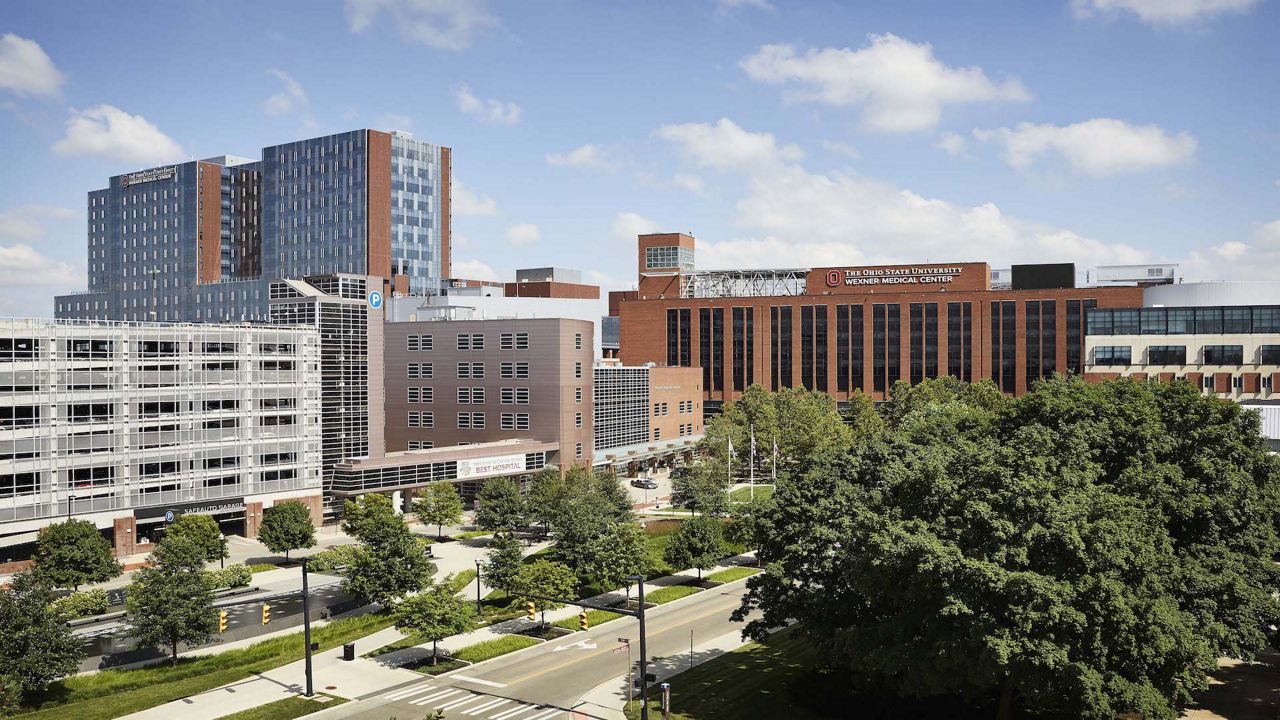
(779,133)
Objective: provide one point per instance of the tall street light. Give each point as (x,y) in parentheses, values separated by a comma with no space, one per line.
(306,626)
(644,662)
(479,612)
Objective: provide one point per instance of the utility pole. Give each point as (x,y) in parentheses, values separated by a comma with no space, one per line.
(644,663)
(306,627)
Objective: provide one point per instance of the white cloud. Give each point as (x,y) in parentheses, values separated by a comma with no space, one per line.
(444,24)
(726,146)
(289,99)
(585,156)
(899,85)
(953,144)
(688,181)
(523,234)
(1163,12)
(24,266)
(466,202)
(109,132)
(842,148)
(728,6)
(474,270)
(25,68)
(843,218)
(495,112)
(1097,147)
(627,225)
(27,223)
(396,121)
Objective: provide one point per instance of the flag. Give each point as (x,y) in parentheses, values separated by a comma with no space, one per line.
(753,442)
(730,448)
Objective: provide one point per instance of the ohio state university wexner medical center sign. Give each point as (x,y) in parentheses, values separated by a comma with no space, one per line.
(900,278)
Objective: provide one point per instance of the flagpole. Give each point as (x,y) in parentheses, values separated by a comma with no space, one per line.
(729,489)
(753,463)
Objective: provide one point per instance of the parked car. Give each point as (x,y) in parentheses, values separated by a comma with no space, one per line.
(645,483)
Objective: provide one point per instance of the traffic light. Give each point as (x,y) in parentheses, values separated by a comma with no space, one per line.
(530,610)
(583,622)
(266,613)
(222,621)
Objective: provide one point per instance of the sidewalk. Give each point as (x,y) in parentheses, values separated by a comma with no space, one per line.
(357,678)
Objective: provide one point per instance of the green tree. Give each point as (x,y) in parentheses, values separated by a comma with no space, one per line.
(36,646)
(439,505)
(611,558)
(702,488)
(1082,551)
(699,543)
(500,507)
(390,561)
(73,553)
(548,579)
(170,601)
(202,531)
(546,498)
(435,615)
(503,564)
(750,524)
(10,696)
(286,527)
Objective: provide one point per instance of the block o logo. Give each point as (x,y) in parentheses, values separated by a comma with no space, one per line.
(833,278)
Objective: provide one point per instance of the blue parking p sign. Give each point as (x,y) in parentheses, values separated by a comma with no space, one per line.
(375,299)
(168,516)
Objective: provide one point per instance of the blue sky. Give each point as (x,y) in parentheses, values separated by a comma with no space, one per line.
(779,133)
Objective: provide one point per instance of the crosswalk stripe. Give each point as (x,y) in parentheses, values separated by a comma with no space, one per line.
(410,692)
(546,714)
(460,703)
(487,706)
(507,715)
(437,696)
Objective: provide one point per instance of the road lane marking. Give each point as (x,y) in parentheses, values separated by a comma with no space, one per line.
(478,681)
(546,714)
(410,692)
(487,706)
(437,696)
(580,658)
(580,645)
(509,714)
(460,703)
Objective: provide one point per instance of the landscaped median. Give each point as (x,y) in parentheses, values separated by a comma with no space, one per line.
(732,574)
(115,693)
(287,709)
(472,654)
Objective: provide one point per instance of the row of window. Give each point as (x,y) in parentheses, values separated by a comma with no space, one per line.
(29,483)
(1185,320)
(1112,355)
(474,371)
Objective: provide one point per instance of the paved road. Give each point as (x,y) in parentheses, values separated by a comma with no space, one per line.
(549,682)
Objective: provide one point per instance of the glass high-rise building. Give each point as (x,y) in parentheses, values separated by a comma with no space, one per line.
(202,240)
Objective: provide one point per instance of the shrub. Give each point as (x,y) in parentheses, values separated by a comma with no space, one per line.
(234,576)
(333,558)
(489,649)
(82,604)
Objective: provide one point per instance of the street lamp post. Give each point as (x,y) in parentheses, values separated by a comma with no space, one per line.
(644,662)
(222,557)
(479,611)
(71,499)
(306,626)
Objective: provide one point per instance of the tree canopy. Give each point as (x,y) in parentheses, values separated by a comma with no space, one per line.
(503,563)
(439,505)
(435,615)
(499,506)
(615,555)
(201,530)
(699,544)
(72,553)
(1082,551)
(286,527)
(549,579)
(170,601)
(389,563)
(36,646)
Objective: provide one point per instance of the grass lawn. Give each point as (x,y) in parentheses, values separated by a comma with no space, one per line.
(493,648)
(459,580)
(667,594)
(742,495)
(114,693)
(262,567)
(443,665)
(286,709)
(737,573)
(472,534)
(750,682)
(594,617)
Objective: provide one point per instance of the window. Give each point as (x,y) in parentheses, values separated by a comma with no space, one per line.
(577,450)
(514,341)
(1154,321)
(1269,354)
(280,458)
(470,421)
(1112,355)
(421,395)
(577,370)
(668,257)
(1237,382)
(92,477)
(514,396)
(1208,320)
(418,343)
(470,396)
(90,412)
(472,341)
(278,420)
(1237,320)
(419,371)
(514,421)
(577,419)
(577,395)
(577,341)
(469,371)
(215,463)
(156,469)
(210,405)
(420,419)
(1223,354)
(12,349)
(90,349)
(20,416)
(223,423)
(1167,355)
(277,403)
(657,433)
(421,444)
(218,348)
(514,371)
(1265,320)
(13,485)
